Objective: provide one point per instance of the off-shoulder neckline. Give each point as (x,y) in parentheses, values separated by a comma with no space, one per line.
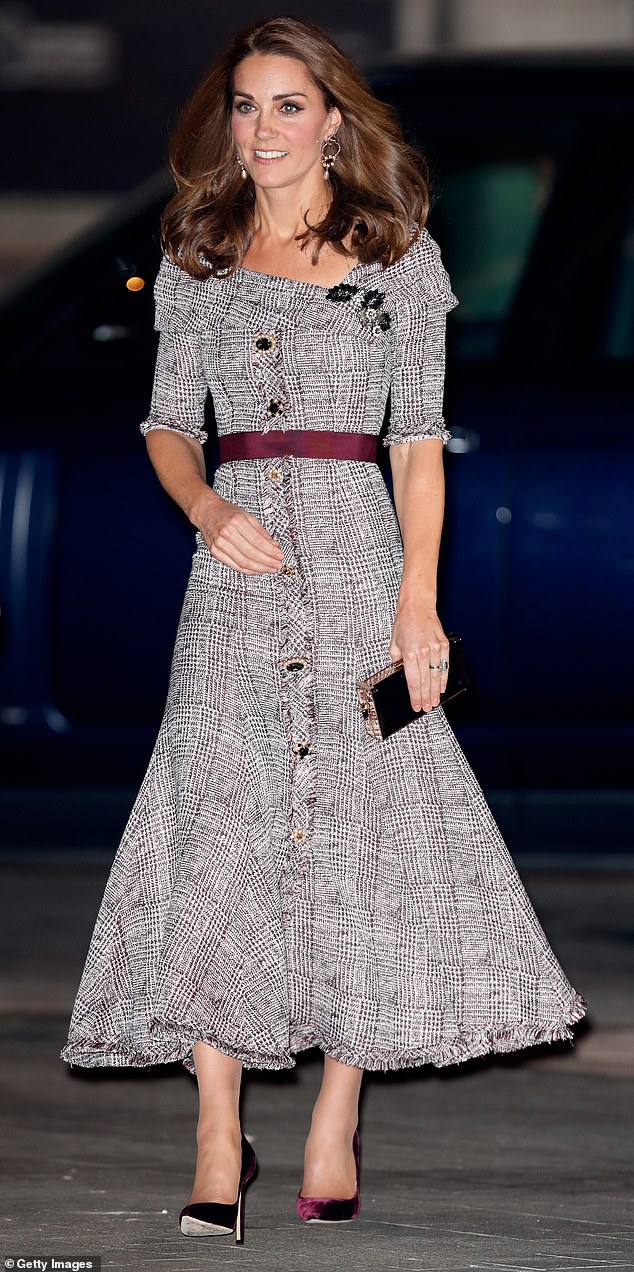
(321,287)
(284,280)
(298,282)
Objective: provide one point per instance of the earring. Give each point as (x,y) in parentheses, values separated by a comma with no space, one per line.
(328,157)
(243,171)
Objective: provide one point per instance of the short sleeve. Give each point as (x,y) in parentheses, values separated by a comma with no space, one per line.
(422,300)
(180,385)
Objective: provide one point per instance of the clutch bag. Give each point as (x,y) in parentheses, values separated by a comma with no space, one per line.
(385,702)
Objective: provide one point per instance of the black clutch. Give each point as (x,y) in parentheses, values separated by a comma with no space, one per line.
(385,702)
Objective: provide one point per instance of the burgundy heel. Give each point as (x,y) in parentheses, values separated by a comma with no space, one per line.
(332,1209)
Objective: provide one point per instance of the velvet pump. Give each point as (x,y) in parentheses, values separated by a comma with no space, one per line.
(332,1209)
(211,1218)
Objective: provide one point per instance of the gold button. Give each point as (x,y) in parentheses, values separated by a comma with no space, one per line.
(288,569)
(301,748)
(298,833)
(274,474)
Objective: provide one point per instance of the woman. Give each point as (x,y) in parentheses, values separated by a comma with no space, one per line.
(286,880)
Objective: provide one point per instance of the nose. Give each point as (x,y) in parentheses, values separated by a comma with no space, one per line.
(265,126)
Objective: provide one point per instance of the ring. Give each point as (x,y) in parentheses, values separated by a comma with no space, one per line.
(441,666)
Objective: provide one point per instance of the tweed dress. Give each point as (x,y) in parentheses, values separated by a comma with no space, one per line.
(286,880)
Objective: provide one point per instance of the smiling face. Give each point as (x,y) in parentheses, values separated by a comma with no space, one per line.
(279,120)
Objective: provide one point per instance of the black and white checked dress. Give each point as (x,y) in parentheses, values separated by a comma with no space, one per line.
(285,880)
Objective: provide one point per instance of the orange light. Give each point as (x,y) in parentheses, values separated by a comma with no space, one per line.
(135,284)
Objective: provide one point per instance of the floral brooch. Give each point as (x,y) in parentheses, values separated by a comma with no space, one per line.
(368,304)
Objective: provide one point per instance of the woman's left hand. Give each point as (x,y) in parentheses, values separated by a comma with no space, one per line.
(418,638)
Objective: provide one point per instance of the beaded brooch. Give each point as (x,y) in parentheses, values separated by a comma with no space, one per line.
(368,304)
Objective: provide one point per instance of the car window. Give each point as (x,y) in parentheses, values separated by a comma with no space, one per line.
(487,216)
(619,336)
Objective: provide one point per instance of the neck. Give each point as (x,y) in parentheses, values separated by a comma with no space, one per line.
(279,214)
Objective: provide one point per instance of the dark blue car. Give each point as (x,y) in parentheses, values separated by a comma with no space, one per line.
(534,212)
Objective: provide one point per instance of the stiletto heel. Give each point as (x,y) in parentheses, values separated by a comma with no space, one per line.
(333,1209)
(240,1218)
(210,1218)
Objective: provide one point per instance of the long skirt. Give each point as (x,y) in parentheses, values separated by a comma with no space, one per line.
(285,880)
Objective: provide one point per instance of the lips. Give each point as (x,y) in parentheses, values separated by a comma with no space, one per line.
(269,156)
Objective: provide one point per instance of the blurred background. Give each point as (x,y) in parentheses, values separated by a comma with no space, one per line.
(525,112)
(90,90)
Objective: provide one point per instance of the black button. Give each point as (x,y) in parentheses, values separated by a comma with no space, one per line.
(265,342)
(275,406)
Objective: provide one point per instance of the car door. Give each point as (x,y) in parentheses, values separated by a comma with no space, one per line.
(93,554)
(537,539)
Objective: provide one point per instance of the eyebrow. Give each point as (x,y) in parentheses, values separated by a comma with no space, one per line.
(277,98)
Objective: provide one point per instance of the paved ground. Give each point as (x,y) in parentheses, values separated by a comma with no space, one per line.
(523,1162)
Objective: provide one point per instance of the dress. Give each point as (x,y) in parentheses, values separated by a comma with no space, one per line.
(285,880)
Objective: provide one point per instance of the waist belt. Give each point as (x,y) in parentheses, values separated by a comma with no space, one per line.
(306,442)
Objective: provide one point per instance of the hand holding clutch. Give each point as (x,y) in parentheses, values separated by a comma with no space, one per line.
(385,702)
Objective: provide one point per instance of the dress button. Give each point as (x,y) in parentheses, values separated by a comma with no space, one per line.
(288,569)
(301,748)
(298,833)
(265,342)
(295,664)
(276,406)
(274,474)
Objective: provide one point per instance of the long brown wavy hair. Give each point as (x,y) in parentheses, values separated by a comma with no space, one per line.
(380,185)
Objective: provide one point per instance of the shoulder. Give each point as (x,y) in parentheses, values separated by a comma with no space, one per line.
(181,300)
(419,276)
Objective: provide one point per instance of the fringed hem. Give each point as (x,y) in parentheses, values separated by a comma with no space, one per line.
(88,1054)
(198,434)
(469,1045)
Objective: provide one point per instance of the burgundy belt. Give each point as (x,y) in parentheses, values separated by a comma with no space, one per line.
(309,443)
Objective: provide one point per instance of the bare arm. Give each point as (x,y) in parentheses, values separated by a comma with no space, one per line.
(179,464)
(231,533)
(418,637)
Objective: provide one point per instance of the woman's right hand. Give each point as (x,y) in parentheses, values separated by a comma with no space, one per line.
(235,537)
